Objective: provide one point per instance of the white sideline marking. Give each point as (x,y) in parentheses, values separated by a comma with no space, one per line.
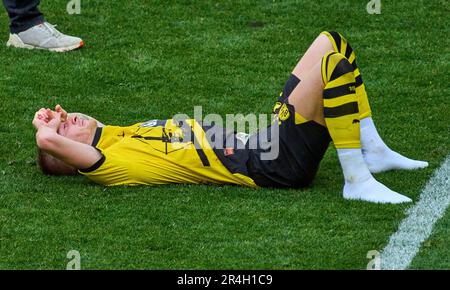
(417,226)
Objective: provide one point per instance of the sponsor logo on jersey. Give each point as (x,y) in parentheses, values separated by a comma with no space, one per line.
(153,123)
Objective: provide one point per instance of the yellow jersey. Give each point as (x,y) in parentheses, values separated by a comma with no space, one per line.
(161,152)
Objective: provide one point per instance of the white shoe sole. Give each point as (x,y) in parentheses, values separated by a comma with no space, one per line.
(15,41)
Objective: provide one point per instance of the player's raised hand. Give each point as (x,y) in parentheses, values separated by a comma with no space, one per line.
(55,121)
(40,118)
(63,112)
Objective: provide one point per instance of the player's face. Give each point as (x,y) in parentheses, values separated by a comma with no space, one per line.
(78,127)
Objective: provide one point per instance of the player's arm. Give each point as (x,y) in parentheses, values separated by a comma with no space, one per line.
(74,153)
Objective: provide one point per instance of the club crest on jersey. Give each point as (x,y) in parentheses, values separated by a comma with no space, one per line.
(276,107)
(284,113)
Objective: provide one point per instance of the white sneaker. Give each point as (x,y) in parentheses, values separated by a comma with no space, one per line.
(44,36)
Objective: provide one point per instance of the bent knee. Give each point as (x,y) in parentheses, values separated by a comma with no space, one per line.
(324,41)
(334,65)
(336,39)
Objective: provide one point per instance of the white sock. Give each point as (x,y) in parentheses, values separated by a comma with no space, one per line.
(359,182)
(378,156)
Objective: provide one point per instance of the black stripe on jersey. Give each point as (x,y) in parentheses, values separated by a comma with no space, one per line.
(98,133)
(337,39)
(355,66)
(348,50)
(339,111)
(198,148)
(203,157)
(200,152)
(339,91)
(164,139)
(95,166)
(358,80)
(341,68)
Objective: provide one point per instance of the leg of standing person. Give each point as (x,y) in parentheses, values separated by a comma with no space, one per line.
(28,28)
(23,14)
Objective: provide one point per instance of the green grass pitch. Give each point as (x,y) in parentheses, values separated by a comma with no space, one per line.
(152,59)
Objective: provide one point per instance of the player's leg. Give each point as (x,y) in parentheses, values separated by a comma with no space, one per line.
(378,156)
(327,96)
(320,46)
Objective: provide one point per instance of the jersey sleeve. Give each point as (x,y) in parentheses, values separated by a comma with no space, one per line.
(111,169)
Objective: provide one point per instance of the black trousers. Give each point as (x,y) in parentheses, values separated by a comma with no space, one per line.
(23,14)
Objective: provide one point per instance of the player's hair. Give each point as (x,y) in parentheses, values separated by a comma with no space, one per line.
(50,165)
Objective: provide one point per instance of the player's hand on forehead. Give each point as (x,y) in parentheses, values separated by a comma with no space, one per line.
(50,114)
(40,118)
(63,112)
(45,115)
(58,109)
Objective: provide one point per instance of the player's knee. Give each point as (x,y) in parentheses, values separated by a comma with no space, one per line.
(342,64)
(324,41)
(334,65)
(330,33)
(335,36)
(339,42)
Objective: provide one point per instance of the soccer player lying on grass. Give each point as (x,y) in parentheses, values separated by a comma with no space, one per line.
(323,100)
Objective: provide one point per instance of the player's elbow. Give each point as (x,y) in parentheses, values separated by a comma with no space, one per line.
(48,163)
(44,140)
(51,165)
